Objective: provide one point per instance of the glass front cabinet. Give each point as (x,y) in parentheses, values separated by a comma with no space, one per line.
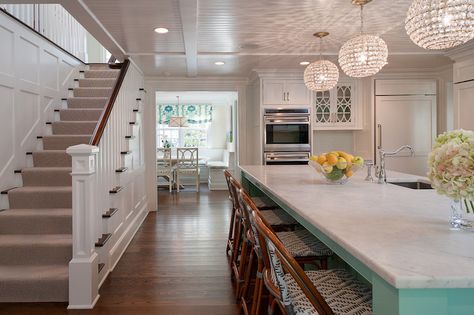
(337,108)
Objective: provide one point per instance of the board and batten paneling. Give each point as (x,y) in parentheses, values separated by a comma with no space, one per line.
(34,76)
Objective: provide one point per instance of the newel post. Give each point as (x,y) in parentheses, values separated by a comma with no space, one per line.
(83,268)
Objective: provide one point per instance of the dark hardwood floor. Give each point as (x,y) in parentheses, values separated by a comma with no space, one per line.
(176,264)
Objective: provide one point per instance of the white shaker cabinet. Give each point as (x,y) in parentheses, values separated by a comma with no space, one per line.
(285,92)
(464,94)
(464,105)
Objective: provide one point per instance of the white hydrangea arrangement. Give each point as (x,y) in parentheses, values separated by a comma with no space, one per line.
(451,166)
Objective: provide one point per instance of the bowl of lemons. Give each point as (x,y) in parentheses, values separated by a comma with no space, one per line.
(336,166)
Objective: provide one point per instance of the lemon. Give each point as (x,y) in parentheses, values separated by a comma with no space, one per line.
(341,163)
(331,159)
(313,158)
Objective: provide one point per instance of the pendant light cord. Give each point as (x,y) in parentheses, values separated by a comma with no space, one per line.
(361,19)
(320,48)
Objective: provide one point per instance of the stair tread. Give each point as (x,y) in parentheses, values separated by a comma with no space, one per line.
(90,97)
(80,109)
(65,136)
(50,151)
(36,212)
(47,169)
(49,240)
(34,272)
(103,70)
(75,122)
(43,189)
(92,88)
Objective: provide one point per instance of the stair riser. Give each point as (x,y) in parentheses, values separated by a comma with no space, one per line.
(63,128)
(80,115)
(35,254)
(46,178)
(37,290)
(91,92)
(86,103)
(97,83)
(101,74)
(39,200)
(47,159)
(62,143)
(36,224)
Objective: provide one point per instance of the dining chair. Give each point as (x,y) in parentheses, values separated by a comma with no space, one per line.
(297,292)
(187,164)
(164,166)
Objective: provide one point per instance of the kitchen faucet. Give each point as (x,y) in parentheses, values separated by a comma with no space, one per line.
(381,172)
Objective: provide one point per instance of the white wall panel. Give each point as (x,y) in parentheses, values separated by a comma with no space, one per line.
(50,70)
(27,114)
(6,51)
(34,76)
(27,60)
(6,127)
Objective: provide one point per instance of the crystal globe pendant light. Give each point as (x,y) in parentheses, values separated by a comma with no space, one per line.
(363,55)
(440,24)
(321,75)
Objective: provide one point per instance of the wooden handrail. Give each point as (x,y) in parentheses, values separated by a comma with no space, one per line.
(99,129)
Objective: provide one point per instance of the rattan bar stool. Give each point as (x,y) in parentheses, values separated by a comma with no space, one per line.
(238,242)
(277,218)
(304,247)
(294,291)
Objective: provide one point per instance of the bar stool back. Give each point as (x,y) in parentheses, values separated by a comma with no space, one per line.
(321,292)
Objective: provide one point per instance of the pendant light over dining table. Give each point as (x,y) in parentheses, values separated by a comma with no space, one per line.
(363,55)
(440,24)
(321,75)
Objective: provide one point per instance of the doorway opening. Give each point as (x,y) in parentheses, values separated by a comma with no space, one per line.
(195,127)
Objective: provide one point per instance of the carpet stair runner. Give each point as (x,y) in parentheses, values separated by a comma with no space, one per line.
(36,230)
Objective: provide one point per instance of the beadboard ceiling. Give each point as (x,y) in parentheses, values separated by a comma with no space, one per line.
(247,34)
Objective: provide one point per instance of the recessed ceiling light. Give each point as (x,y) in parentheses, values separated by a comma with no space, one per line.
(219,63)
(161,30)
(304,63)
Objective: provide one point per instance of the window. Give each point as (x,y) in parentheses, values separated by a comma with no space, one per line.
(197,118)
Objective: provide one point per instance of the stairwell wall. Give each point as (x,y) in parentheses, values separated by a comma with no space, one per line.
(34,76)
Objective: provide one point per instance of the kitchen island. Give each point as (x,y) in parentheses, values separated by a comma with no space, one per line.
(395,237)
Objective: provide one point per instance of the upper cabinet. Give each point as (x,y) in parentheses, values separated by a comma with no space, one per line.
(285,92)
(337,109)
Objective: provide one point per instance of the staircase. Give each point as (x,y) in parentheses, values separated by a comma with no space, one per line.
(36,230)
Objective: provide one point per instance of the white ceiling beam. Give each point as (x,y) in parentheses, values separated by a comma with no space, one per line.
(188,10)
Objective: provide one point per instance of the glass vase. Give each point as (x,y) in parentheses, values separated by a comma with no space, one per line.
(462,215)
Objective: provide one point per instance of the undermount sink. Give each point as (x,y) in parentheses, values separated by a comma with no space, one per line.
(413,185)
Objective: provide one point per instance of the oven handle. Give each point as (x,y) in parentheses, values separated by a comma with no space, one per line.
(281,120)
(286,157)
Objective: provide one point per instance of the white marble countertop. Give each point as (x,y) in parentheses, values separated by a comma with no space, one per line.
(400,233)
